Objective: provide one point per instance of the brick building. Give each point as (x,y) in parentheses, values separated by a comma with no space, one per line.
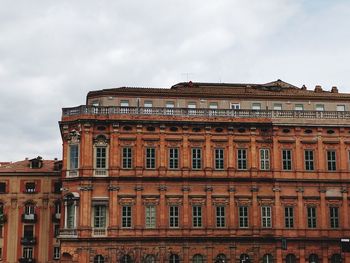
(205,172)
(30,211)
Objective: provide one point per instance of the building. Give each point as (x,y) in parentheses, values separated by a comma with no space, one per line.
(30,211)
(206,172)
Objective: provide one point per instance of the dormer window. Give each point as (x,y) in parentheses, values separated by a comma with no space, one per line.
(30,187)
(36,163)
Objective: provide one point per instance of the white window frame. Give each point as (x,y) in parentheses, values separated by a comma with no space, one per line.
(319,107)
(264,159)
(266,217)
(242,159)
(220,216)
(73,169)
(309,159)
(73,216)
(341,107)
(299,107)
(311,217)
(287,160)
(235,106)
(56,252)
(219,159)
(150,158)
(127,162)
(289,217)
(277,106)
(174,216)
(174,158)
(331,160)
(150,216)
(100,169)
(334,220)
(256,106)
(196,157)
(243,216)
(197,221)
(126,216)
(28,252)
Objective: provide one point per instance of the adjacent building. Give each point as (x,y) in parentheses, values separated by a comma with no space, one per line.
(30,211)
(206,172)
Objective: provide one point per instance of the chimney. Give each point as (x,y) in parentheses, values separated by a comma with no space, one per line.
(318,89)
(334,89)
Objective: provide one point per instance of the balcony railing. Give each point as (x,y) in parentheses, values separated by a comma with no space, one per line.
(56,218)
(232,113)
(68,232)
(72,173)
(29,218)
(26,260)
(28,241)
(99,232)
(100,172)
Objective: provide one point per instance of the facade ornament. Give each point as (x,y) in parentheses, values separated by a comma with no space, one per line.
(101,140)
(85,188)
(254,188)
(73,137)
(186,188)
(208,188)
(276,189)
(300,190)
(138,188)
(162,188)
(231,189)
(113,188)
(344,190)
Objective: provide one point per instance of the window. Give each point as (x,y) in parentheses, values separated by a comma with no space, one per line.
(2,215)
(0,253)
(126,259)
(29,209)
(56,230)
(235,106)
(256,106)
(287,160)
(174,258)
(289,217)
(242,159)
(100,216)
(213,105)
(309,160)
(30,187)
(127,158)
(264,159)
(73,157)
(198,258)
(197,216)
(336,258)
(340,107)
(150,158)
(101,259)
(169,105)
(148,104)
(57,207)
(319,107)
(196,158)
(299,107)
(28,232)
(290,258)
(56,252)
(124,103)
(334,217)
(191,105)
(331,160)
(2,188)
(70,215)
(244,258)
(173,158)
(174,216)
(126,216)
(243,216)
(277,106)
(220,216)
(266,216)
(313,258)
(219,159)
(150,259)
(221,258)
(101,157)
(27,252)
(150,216)
(267,258)
(311,217)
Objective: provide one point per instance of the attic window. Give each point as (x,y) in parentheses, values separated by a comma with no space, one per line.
(219,129)
(101,128)
(330,131)
(36,163)
(241,130)
(196,129)
(151,128)
(308,131)
(127,128)
(174,129)
(286,130)
(30,187)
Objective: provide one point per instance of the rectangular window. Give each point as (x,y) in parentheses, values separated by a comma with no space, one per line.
(27,252)
(264,159)
(173,216)
(243,216)
(196,158)
(28,231)
(289,217)
(299,107)
(100,216)
(150,216)
(213,105)
(73,157)
(277,106)
(256,106)
(242,159)
(170,105)
(30,187)
(235,106)
(56,252)
(309,160)
(56,230)
(173,158)
(334,217)
(266,216)
(148,104)
(340,107)
(191,105)
(126,216)
(2,187)
(197,216)
(101,157)
(319,107)
(311,217)
(287,160)
(124,103)
(220,216)
(127,158)
(150,158)
(70,217)
(219,159)
(331,160)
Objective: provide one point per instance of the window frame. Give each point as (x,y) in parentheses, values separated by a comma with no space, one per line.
(196,158)
(173,158)
(197,220)
(220,216)
(174,216)
(309,159)
(334,219)
(219,159)
(127,158)
(243,216)
(266,216)
(311,212)
(289,217)
(331,156)
(126,220)
(242,161)
(150,216)
(287,161)
(264,157)
(150,158)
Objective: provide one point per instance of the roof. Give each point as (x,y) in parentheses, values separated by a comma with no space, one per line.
(276,88)
(48,166)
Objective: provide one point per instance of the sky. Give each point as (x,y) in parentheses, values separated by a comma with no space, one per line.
(53,52)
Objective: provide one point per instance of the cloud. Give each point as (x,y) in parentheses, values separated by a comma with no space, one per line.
(53,52)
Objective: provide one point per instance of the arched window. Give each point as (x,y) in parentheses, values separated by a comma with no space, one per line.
(174,258)
(336,258)
(313,258)
(150,259)
(221,258)
(126,259)
(290,258)
(197,258)
(244,258)
(99,259)
(267,258)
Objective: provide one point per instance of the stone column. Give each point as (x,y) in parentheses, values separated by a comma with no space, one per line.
(139,152)
(138,211)
(163,210)
(209,209)
(186,209)
(113,209)
(232,210)
(277,213)
(208,153)
(84,219)
(324,211)
(345,209)
(300,211)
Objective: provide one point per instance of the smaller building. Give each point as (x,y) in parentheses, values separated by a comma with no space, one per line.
(30,210)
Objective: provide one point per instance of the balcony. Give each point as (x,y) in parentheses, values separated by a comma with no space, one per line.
(29,218)
(3,219)
(72,173)
(28,241)
(68,233)
(100,172)
(56,218)
(26,260)
(185,112)
(99,232)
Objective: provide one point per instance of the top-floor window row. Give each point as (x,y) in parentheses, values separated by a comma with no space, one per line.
(210,104)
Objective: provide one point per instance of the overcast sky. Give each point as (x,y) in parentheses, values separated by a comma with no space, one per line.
(53,52)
